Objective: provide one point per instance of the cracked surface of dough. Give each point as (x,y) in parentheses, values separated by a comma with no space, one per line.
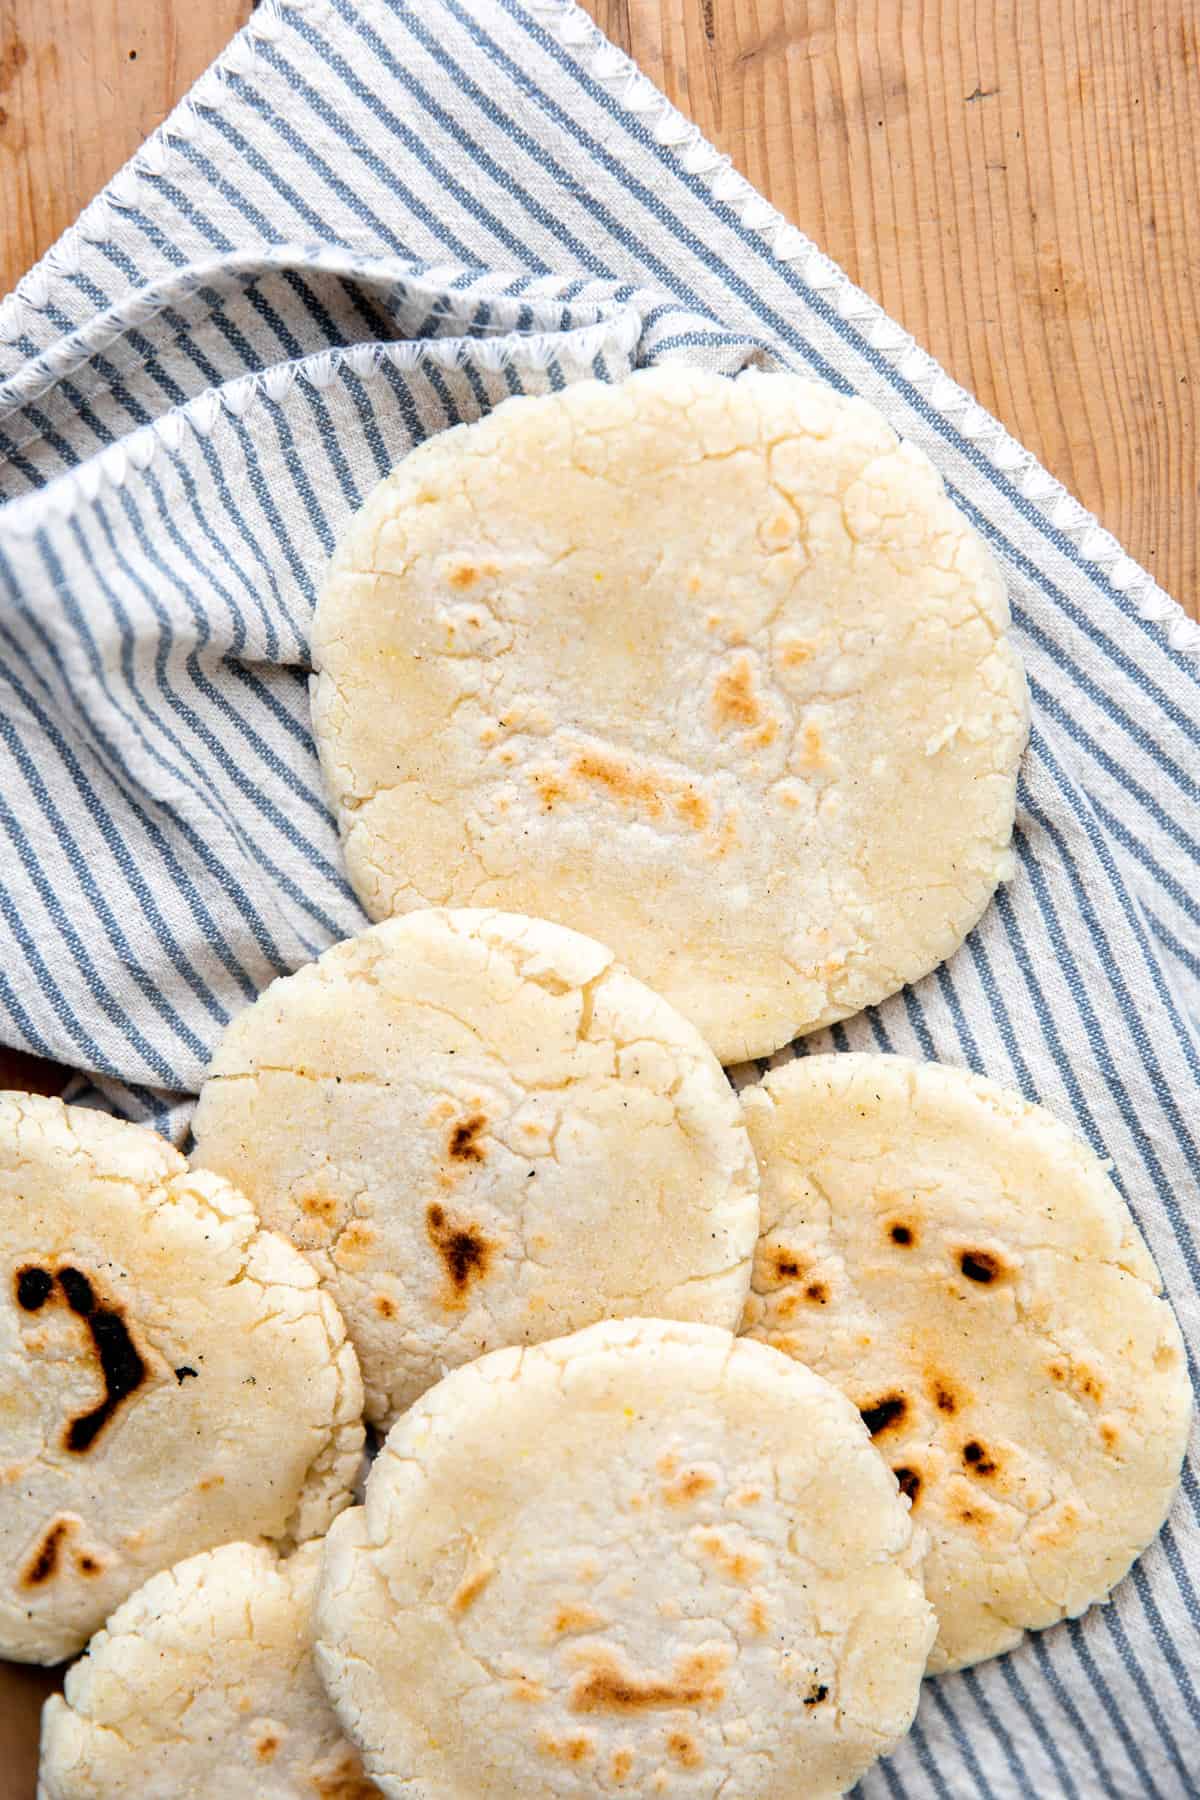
(960,1264)
(202,1685)
(711,669)
(647,1559)
(171,1375)
(483,1131)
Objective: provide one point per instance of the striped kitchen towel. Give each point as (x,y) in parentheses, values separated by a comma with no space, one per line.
(373,219)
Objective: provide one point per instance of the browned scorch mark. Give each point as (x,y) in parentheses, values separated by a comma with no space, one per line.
(463,1143)
(683,1749)
(981,1266)
(471,1586)
(121,1366)
(758,1615)
(909,1482)
(945,1396)
(43,1564)
(738,1565)
(606,1684)
(343,1778)
(320,1206)
(577,1748)
(572,1616)
(690,1485)
(466,1254)
(693,809)
(734,701)
(619,780)
(978,1459)
(881,1415)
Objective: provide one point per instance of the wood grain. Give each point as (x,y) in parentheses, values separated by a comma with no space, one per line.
(82,82)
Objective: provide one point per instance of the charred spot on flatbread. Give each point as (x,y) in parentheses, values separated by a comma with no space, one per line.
(122,1367)
(881,1415)
(466,1254)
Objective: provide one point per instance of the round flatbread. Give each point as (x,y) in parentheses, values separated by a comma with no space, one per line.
(202,1684)
(711,669)
(172,1375)
(483,1132)
(963,1268)
(647,1559)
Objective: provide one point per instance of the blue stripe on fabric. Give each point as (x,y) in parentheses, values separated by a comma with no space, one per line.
(383,172)
(70,455)
(57,914)
(294,465)
(37,478)
(916,1018)
(370,98)
(260,487)
(975,1688)
(1162,1636)
(295,142)
(944,975)
(889,1774)
(117,773)
(1066,1702)
(200,787)
(367,419)
(1163,878)
(1109,1703)
(1137,1674)
(1095,1037)
(54,996)
(330,442)
(1006,1666)
(1023,1074)
(701,340)
(250,789)
(31,1037)
(150,990)
(1188,1142)
(221,547)
(1181,952)
(266,753)
(1067,720)
(920,1743)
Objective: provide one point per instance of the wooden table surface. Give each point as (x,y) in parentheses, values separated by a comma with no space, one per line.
(1012,179)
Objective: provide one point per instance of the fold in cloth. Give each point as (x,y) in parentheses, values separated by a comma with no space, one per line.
(374,220)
